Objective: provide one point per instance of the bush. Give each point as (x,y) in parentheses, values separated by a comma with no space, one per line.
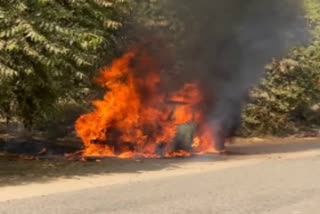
(288,98)
(282,103)
(60,123)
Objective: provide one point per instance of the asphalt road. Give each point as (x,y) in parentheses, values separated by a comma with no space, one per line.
(277,184)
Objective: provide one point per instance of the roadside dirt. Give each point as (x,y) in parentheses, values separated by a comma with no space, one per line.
(20,178)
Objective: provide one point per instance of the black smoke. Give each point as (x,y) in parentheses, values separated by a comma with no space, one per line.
(226,44)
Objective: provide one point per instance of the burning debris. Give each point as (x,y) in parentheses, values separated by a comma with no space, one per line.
(137,118)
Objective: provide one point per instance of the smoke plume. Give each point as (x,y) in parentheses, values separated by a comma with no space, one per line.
(226,44)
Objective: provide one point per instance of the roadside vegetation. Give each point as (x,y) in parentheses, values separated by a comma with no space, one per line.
(50,51)
(288,99)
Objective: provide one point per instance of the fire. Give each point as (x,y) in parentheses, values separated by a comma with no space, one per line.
(138,118)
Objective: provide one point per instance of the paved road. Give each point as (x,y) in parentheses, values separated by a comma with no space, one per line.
(264,185)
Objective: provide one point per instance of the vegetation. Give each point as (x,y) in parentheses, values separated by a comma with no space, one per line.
(287,100)
(283,102)
(50,50)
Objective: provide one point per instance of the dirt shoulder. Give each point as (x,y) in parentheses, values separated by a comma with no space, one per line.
(22,179)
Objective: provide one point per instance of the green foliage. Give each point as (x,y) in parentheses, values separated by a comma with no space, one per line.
(149,19)
(49,50)
(61,122)
(6,97)
(283,103)
(313,15)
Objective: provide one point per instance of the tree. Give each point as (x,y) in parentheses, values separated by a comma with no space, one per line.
(49,51)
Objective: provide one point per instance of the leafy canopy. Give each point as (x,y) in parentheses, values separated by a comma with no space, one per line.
(50,48)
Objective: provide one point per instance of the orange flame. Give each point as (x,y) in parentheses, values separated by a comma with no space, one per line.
(137,119)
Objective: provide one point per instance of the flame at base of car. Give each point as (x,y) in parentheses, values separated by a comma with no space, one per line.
(137,118)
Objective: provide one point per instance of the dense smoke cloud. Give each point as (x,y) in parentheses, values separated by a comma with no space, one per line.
(226,44)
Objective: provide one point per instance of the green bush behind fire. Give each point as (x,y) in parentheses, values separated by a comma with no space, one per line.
(287,100)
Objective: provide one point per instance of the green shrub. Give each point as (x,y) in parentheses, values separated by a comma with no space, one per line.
(60,123)
(282,103)
(288,98)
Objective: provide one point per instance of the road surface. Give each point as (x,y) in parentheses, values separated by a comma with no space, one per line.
(280,183)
